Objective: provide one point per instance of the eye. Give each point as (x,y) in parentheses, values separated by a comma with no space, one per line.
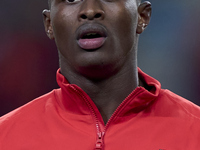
(73,1)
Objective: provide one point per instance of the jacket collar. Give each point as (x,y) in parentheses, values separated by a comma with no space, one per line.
(73,98)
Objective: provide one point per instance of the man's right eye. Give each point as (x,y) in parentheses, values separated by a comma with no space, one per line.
(73,1)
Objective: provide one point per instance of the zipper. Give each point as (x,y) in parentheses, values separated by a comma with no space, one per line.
(135,92)
(101,134)
(99,142)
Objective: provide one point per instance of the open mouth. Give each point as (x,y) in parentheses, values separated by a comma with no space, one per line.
(91,36)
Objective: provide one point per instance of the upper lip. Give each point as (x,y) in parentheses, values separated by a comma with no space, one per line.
(91,28)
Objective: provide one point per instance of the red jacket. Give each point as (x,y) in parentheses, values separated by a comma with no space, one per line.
(67,119)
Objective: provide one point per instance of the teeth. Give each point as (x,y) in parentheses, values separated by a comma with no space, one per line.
(89,34)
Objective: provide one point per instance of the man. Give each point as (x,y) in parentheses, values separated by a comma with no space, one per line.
(105,102)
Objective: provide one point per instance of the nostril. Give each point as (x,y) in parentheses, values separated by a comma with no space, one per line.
(83,16)
(91,14)
(98,15)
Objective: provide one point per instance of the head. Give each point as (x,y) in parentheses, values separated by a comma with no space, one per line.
(96,38)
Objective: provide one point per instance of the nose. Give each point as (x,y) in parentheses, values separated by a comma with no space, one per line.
(91,10)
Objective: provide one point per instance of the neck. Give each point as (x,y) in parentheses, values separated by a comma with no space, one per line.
(107,94)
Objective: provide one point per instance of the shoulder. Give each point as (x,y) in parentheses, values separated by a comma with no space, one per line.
(26,122)
(177,105)
(32,110)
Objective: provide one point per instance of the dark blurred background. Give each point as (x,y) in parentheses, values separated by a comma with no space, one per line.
(168,50)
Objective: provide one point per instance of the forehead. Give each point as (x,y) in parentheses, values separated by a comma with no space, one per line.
(49,1)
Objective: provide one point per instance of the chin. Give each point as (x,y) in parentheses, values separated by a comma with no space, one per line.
(96,71)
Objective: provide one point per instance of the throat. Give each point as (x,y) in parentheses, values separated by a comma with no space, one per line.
(108,101)
(107,111)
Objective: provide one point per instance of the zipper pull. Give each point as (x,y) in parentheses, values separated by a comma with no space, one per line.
(99,143)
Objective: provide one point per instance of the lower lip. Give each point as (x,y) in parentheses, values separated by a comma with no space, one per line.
(90,44)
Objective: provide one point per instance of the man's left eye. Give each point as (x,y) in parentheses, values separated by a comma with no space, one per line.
(73,1)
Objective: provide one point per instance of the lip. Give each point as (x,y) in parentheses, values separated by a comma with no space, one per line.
(93,43)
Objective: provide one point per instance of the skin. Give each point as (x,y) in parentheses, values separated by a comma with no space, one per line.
(107,74)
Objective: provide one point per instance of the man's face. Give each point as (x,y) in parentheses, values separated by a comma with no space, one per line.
(95,35)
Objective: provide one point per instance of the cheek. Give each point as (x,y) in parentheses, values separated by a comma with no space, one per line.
(129,19)
(63,26)
(125,24)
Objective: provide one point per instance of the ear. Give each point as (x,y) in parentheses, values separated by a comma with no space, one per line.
(144,15)
(47,23)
